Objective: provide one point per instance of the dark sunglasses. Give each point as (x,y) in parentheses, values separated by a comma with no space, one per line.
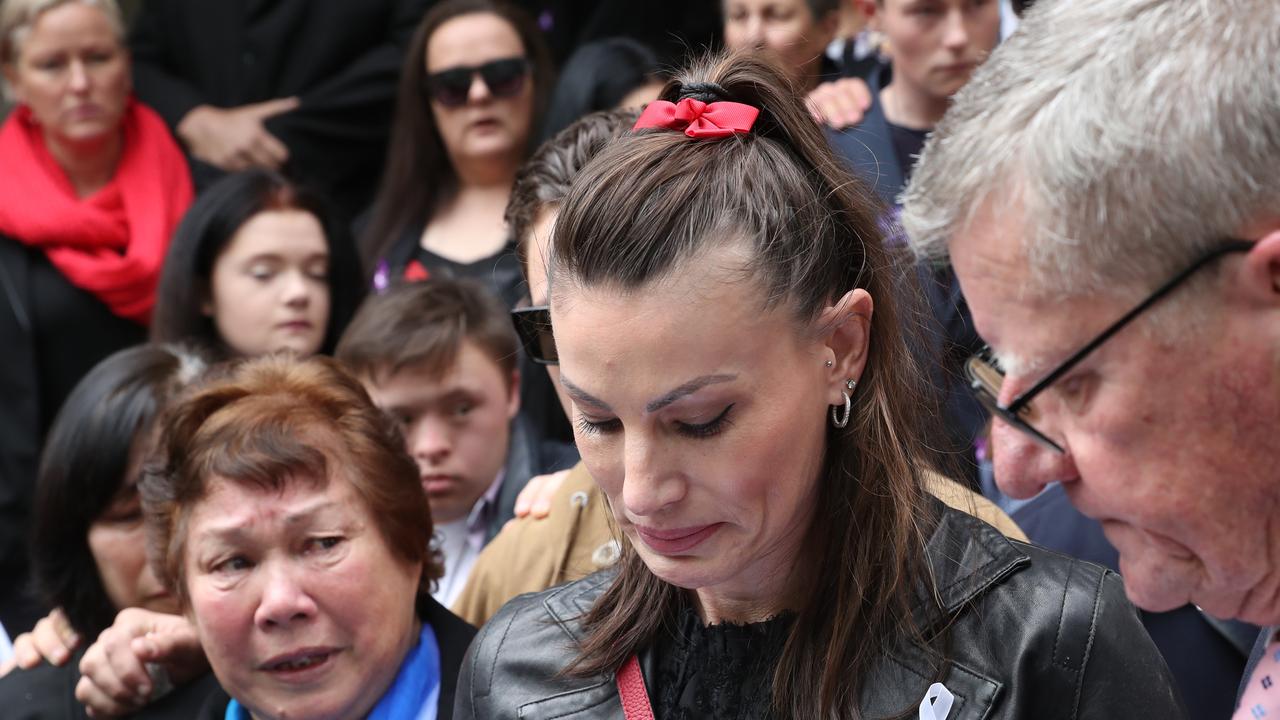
(533,325)
(504,78)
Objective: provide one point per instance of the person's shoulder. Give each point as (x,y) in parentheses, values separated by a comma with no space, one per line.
(531,639)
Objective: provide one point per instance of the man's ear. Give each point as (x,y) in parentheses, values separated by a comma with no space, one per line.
(846,338)
(1259,274)
(513,400)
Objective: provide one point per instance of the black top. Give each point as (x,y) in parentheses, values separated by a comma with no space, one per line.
(499,272)
(51,334)
(717,672)
(907,144)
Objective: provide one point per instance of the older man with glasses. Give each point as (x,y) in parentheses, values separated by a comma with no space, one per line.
(1107,188)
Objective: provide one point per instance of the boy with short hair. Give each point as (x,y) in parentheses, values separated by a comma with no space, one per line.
(440,357)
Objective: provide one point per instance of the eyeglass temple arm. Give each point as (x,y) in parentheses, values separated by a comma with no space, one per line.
(1231,246)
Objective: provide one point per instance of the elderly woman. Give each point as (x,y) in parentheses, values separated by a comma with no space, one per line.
(724,313)
(92,187)
(291,527)
(88,544)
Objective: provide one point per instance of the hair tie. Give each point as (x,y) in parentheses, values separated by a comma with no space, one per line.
(707,92)
(699,119)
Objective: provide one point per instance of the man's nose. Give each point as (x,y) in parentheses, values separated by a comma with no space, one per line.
(1023,467)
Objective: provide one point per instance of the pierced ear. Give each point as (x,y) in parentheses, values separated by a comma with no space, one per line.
(846,338)
(1259,275)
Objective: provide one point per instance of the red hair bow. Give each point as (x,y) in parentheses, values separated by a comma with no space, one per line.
(698,119)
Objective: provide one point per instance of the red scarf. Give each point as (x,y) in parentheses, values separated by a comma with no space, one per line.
(113,242)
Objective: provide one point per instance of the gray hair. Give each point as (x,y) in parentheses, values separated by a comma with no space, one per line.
(1134,134)
(17,17)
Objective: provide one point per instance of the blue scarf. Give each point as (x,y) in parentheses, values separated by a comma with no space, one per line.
(414,694)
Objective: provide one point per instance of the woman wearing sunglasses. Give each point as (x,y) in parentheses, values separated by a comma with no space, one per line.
(472,84)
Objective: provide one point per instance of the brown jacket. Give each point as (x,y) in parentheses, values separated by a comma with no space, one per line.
(577,539)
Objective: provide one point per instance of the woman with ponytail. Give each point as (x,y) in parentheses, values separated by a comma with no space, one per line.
(726,320)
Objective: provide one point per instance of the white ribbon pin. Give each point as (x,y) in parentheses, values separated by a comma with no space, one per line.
(936,704)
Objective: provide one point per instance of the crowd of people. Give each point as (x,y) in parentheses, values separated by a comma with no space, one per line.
(736,360)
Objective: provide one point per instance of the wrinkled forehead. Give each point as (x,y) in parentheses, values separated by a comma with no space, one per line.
(1025,325)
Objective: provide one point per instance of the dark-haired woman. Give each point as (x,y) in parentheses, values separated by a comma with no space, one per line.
(472,86)
(617,72)
(88,546)
(724,313)
(257,266)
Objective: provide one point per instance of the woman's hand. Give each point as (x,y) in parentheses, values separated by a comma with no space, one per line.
(115,679)
(52,640)
(535,499)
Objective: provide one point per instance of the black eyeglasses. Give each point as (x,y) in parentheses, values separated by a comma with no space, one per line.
(504,78)
(533,325)
(986,377)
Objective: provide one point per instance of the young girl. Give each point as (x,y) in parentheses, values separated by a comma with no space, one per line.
(257,267)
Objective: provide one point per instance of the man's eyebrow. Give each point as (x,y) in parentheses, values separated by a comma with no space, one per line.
(688,388)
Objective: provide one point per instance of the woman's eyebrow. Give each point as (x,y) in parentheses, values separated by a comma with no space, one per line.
(688,388)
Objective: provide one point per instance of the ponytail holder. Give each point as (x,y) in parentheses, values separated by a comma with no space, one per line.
(699,119)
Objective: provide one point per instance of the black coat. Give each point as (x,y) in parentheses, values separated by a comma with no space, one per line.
(340,58)
(1032,635)
(51,334)
(48,693)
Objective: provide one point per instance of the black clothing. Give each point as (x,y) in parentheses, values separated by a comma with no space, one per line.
(1207,656)
(453,635)
(52,333)
(907,144)
(670,27)
(528,454)
(48,693)
(406,259)
(717,672)
(340,58)
(1027,633)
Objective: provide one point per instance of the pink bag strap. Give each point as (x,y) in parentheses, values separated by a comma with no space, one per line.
(635,699)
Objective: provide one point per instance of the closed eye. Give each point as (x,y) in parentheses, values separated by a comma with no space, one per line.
(704,430)
(589,428)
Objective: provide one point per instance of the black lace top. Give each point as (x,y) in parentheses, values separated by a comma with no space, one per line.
(718,672)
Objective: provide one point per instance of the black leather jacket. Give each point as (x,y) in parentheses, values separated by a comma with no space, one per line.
(1034,635)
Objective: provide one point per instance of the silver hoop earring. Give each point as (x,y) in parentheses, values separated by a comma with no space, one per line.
(837,419)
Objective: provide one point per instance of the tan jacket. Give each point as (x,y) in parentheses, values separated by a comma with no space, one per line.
(577,539)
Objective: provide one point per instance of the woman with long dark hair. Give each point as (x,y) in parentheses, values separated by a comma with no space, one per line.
(258,265)
(726,320)
(473,84)
(88,546)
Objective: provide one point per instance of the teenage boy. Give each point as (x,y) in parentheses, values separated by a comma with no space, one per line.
(440,358)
